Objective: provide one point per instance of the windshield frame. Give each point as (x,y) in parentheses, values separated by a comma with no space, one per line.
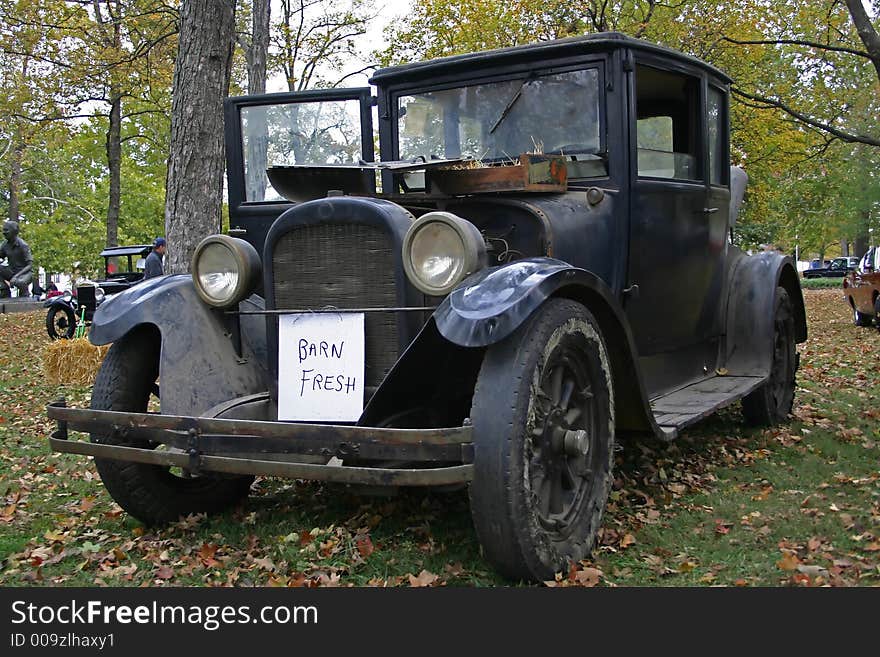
(390,140)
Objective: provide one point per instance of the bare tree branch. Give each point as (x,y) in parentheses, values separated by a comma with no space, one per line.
(798,42)
(848,137)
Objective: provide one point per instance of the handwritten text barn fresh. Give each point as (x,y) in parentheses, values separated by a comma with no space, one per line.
(321,367)
(328,382)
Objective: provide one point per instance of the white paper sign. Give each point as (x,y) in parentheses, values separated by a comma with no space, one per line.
(321,367)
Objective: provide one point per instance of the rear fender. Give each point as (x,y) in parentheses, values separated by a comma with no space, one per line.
(199,366)
(748,345)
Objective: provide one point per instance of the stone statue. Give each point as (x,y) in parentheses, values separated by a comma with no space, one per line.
(18,270)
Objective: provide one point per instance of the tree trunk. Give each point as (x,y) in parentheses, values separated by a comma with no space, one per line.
(844,247)
(114,135)
(194,186)
(258,53)
(866,31)
(114,164)
(860,244)
(258,132)
(15,176)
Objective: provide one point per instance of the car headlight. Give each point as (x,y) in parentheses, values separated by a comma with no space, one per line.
(99,295)
(67,296)
(225,270)
(440,250)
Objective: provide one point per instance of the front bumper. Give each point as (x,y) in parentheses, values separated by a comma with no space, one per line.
(437,457)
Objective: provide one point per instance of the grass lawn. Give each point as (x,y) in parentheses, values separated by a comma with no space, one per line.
(724,504)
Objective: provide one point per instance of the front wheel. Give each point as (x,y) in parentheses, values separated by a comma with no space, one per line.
(151,493)
(60,322)
(771,402)
(543,417)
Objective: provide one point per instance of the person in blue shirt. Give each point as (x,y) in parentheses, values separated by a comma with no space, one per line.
(154,266)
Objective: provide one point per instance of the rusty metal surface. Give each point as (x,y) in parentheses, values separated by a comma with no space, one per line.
(331,311)
(333,473)
(82,419)
(534,173)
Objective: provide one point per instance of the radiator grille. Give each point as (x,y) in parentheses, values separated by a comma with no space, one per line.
(346,266)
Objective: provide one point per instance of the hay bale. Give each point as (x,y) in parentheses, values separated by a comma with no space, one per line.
(73,361)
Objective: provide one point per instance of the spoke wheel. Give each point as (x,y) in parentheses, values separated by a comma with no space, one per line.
(543,417)
(60,322)
(564,439)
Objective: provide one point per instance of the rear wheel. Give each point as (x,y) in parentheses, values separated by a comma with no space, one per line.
(153,494)
(862,319)
(543,417)
(772,401)
(60,322)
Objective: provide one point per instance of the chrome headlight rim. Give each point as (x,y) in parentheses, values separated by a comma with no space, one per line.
(473,251)
(100,295)
(242,255)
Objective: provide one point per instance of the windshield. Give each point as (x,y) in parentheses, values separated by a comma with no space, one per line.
(557,113)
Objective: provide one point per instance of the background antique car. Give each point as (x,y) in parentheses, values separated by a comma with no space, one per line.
(120,273)
(838,268)
(537,268)
(861,289)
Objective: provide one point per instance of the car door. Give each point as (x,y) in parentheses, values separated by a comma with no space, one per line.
(332,126)
(678,225)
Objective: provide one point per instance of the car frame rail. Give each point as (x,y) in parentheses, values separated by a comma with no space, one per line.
(272,449)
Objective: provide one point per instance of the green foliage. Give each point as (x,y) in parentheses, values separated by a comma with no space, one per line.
(61,67)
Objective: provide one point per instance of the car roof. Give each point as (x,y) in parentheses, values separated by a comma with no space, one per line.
(535,51)
(136,249)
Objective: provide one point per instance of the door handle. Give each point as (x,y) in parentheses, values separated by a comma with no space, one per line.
(710,210)
(235,232)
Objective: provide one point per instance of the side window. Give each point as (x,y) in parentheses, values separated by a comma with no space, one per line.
(867,264)
(717,125)
(667,124)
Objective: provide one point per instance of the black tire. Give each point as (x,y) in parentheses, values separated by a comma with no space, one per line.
(863,319)
(543,417)
(150,493)
(877,312)
(771,403)
(60,322)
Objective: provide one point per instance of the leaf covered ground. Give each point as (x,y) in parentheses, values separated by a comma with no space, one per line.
(793,505)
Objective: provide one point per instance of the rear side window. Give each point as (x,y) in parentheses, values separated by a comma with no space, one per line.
(717,124)
(667,124)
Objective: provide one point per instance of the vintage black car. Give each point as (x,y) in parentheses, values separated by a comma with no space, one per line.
(538,267)
(120,273)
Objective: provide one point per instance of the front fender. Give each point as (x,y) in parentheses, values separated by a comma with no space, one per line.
(57,301)
(491,304)
(199,367)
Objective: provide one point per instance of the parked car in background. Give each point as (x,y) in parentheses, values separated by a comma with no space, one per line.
(862,289)
(123,267)
(838,268)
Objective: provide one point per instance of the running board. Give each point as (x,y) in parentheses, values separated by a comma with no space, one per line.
(682,408)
